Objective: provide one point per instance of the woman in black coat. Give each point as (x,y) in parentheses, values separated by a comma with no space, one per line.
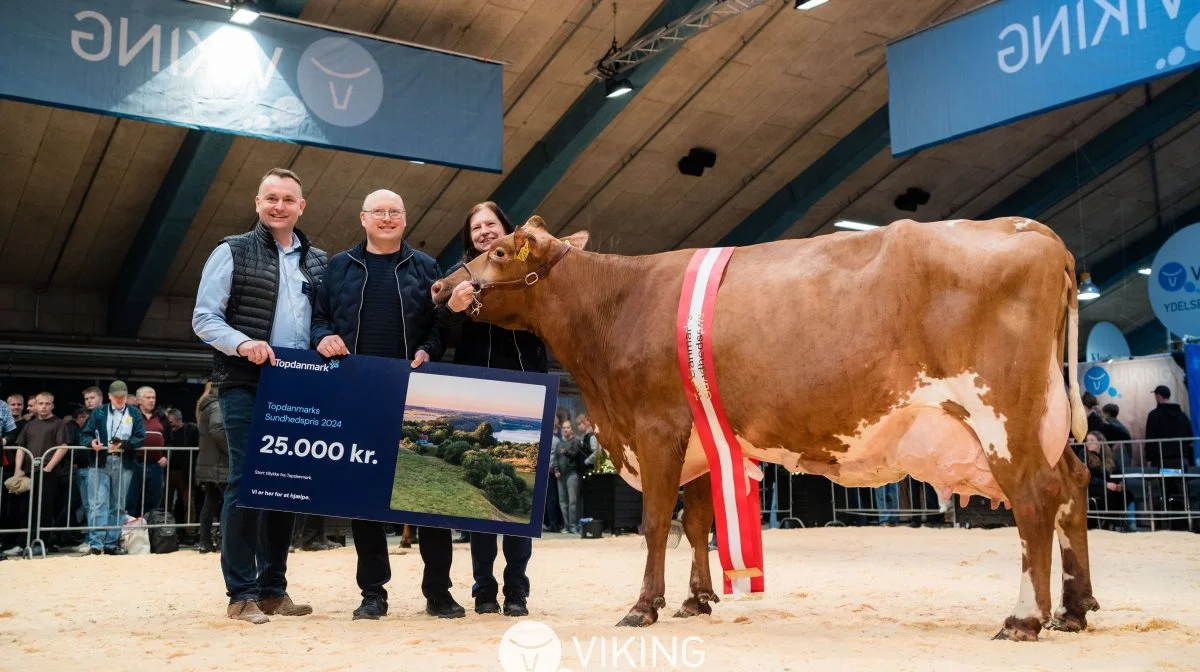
(212,464)
(482,344)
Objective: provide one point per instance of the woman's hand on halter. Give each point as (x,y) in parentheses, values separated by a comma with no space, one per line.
(461,298)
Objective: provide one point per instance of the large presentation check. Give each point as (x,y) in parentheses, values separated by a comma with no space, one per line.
(448,446)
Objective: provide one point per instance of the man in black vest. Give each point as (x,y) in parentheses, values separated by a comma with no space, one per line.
(376,301)
(256,292)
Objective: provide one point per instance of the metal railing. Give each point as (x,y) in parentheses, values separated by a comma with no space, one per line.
(11,513)
(775,497)
(912,501)
(166,487)
(1142,484)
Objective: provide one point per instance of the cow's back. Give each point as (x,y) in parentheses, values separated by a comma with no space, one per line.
(838,329)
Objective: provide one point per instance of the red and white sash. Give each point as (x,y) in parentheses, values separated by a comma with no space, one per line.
(735,496)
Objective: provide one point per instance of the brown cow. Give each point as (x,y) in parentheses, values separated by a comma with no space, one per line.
(932,350)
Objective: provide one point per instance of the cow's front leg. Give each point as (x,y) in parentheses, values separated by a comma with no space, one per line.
(660,467)
(697,521)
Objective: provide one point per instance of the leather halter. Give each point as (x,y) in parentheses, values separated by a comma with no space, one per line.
(527,281)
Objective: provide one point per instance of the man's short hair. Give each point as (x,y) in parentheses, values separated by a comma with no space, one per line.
(93,390)
(281,172)
(175,414)
(16,395)
(44,394)
(1089,400)
(142,389)
(1111,410)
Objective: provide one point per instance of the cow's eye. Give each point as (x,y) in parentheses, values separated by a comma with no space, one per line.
(499,254)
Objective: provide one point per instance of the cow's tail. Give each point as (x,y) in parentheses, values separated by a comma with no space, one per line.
(1078,412)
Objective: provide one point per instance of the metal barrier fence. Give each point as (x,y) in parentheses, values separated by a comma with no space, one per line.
(775,493)
(1142,485)
(1133,485)
(908,500)
(141,487)
(12,511)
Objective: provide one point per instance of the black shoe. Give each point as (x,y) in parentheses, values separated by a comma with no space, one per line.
(373,607)
(444,606)
(205,546)
(487,605)
(515,608)
(95,551)
(113,550)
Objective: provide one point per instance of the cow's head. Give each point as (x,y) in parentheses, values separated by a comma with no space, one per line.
(504,277)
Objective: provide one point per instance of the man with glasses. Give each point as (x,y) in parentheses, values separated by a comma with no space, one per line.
(376,301)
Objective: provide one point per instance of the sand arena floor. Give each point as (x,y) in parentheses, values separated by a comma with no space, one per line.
(839,599)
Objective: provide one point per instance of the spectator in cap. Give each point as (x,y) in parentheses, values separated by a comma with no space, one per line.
(113,432)
(1168,421)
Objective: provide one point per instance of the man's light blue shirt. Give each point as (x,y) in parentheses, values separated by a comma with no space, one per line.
(293,312)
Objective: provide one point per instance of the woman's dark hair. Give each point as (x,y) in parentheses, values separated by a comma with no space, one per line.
(469,251)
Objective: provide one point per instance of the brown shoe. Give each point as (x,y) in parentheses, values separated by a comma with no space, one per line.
(283,606)
(246,611)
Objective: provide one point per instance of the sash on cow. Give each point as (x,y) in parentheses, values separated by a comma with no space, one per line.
(735,495)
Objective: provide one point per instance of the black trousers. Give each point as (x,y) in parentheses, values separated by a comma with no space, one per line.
(375,568)
(436,552)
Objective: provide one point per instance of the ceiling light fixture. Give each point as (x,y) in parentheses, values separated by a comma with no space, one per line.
(1145,270)
(855,226)
(615,88)
(1088,289)
(244,12)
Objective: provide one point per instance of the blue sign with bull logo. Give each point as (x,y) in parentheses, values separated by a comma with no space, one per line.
(185,64)
(1175,282)
(1009,60)
(1097,380)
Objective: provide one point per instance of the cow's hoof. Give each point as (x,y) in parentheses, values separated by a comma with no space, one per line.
(1067,623)
(1019,629)
(1016,635)
(693,607)
(635,619)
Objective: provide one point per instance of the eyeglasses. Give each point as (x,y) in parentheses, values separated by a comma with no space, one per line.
(380,214)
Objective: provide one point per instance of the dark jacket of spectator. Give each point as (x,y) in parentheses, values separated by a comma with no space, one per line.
(483,344)
(97,428)
(1168,421)
(571,461)
(212,465)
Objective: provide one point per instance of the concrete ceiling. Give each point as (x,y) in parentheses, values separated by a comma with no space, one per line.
(770,91)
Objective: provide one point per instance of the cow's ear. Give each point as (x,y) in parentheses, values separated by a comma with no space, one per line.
(536,222)
(521,238)
(578,239)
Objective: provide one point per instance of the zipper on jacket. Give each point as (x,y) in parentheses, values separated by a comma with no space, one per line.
(403,320)
(362,298)
(520,360)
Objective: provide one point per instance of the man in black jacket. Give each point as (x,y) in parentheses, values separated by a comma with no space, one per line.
(375,300)
(1168,421)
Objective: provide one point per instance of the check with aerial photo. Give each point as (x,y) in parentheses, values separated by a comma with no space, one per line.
(444,445)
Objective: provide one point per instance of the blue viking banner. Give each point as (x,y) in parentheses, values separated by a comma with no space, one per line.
(450,446)
(185,64)
(1015,58)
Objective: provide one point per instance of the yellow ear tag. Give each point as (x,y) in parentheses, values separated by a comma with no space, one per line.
(523,253)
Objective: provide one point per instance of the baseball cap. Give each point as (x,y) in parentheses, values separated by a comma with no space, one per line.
(1163,391)
(118,387)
